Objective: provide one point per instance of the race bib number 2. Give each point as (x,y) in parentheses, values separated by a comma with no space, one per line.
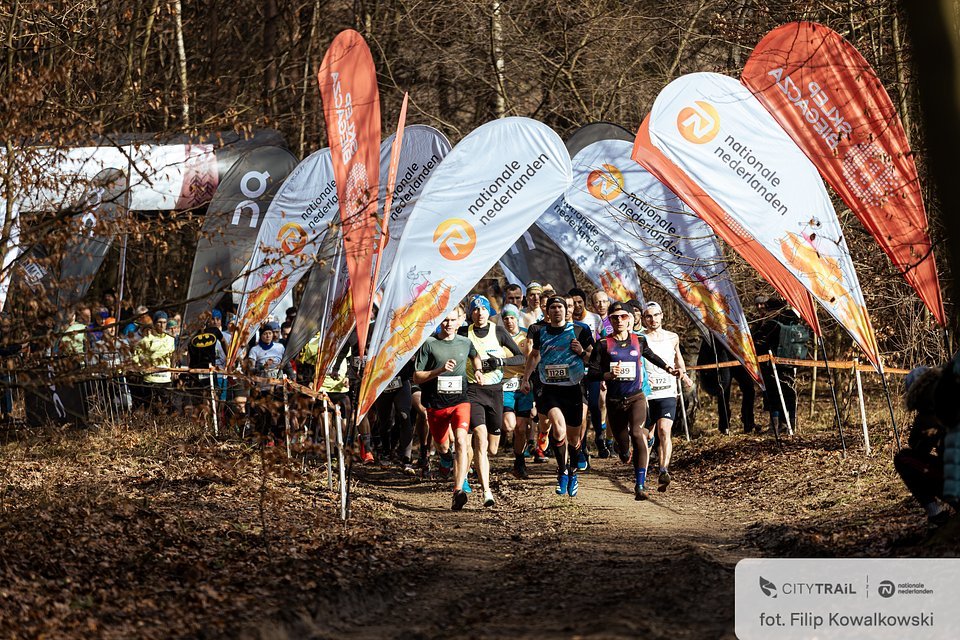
(450,384)
(557,372)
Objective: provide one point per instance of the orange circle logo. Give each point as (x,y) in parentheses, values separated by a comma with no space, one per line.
(456,238)
(606,183)
(699,124)
(292,238)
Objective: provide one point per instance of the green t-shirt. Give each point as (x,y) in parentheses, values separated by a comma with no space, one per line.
(448,389)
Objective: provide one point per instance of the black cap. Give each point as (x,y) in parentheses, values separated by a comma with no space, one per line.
(632,304)
(553,299)
(619,306)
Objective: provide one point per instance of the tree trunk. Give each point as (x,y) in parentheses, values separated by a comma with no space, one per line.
(270,18)
(182,63)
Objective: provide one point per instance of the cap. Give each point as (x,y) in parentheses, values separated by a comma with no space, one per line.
(172,324)
(481,301)
(510,310)
(534,287)
(159,316)
(216,314)
(142,310)
(109,321)
(653,307)
(619,307)
(270,326)
(633,304)
(554,299)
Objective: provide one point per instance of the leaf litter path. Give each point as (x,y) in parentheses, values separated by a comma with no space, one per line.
(600,565)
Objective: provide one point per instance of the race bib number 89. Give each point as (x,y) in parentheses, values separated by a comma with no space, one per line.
(626,370)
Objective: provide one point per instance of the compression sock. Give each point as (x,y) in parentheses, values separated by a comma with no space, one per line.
(560,451)
(573,455)
(641,476)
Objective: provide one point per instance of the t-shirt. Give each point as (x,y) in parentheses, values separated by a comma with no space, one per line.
(592,320)
(266,361)
(559,365)
(664,344)
(202,351)
(450,388)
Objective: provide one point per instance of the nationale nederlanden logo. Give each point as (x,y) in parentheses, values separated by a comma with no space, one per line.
(700,123)
(605,183)
(455,238)
(292,238)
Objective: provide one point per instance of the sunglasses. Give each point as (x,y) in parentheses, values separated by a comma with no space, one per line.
(620,317)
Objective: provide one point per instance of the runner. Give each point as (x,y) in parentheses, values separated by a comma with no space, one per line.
(618,360)
(496,348)
(532,312)
(559,349)
(663,388)
(516,405)
(441,371)
(263,361)
(513,294)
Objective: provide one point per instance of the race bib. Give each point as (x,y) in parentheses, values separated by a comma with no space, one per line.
(394,385)
(511,384)
(627,371)
(659,382)
(271,373)
(557,373)
(355,362)
(450,384)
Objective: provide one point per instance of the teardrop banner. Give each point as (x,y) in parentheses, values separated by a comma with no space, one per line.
(484,195)
(232,223)
(287,246)
(421,151)
(832,104)
(351,108)
(536,257)
(622,200)
(714,130)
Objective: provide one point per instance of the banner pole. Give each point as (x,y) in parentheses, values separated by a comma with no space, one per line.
(683,409)
(213,407)
(343,482)
(813,384)
(833,394)
(326,441)
(783,402)
(723,399)
(863,410)
(886,391)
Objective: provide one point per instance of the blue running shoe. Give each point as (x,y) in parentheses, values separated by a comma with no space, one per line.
(582,462)
(573,486)
(466,486)
(562,481)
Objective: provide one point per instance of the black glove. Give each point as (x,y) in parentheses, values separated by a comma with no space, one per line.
(492,363)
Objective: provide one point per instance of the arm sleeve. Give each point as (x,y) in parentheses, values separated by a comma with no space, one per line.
(599,362)
(585,338)
(651,356)
(506,341)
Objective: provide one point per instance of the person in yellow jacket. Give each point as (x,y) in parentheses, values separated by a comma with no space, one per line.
(156,349)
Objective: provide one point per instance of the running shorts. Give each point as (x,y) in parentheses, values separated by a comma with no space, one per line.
(440,420)
(486,407)
(661,408)
(565,398)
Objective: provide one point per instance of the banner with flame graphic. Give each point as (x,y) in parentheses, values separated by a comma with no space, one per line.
(486,193)
(667,240)
(831,102)
(351,108)
(721,137)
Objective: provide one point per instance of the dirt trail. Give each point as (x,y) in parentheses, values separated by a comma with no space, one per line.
(539,565)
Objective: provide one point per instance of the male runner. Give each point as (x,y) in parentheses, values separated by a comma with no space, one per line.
(618,360)
(663,388)
(516,405)
(441,371)
(532,312)
(558,351)
(493,343)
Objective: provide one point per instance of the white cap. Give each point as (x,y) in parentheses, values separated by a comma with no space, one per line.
(654,307)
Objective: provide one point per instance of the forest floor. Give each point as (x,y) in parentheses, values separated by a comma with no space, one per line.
(155,530)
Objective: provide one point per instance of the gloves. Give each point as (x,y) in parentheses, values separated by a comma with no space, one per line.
(491,364)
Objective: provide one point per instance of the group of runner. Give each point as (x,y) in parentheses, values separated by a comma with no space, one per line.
(554,361)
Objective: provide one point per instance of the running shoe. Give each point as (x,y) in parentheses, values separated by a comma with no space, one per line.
(562,481)
(639,493)
(650,441)
(573,486)
(603,451)
(459,499)
(539,455)
(664,480)
(582,463)
(365,456)
(409,469)
(528,449)
(446,467)
(520,470)
(488,500)
(466,486)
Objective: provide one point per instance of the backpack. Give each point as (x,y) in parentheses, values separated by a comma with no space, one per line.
(793,341)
